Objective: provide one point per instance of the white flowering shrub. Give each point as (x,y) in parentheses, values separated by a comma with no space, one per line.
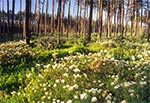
(77,75)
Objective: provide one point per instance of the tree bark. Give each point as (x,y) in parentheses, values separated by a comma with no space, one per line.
(52,18)
(90,22)
(27,29)
(59,20)
(68,20)
(20,17)
(12,23)
(8,18)
(46,16)
(100,12)
(38,17)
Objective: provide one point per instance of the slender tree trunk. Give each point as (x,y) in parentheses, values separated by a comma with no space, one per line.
(80,21)
(132,15)
(90,22)
(35,15)
(85,8)
(8,18)
(122,19)
(20,16)
(108,19)
(136,20)
(46,17)
(141,15)
(41,20)
(0,25)
(115,13)
(68,20)
(100,12)
(63,13)
(77,24)
(3,17)
(59,20)
(12,23)
(52,18)
(27,29)
(38,17)
(148,21)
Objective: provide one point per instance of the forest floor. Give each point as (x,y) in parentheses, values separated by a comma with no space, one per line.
(113,70)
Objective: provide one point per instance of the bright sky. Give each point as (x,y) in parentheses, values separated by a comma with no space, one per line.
(17,7)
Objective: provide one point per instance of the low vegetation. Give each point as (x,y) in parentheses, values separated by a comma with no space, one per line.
(110,71)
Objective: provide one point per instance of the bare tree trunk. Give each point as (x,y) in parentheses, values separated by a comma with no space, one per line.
(8,18)
(136,20)
(148,21)
(132,15)
(63,13)
(141,15)
(3,17)
(77,21)
(20,17)
(27,29)
(0,25)
(68,20)
(80,21)
(41,20)
(35,15)
(90,22)
(38,17)
(12,23)
(52,18)
(85,8)
(115,13)
(108,19)
(100,12)
(59,20)
(46,17)
(122,19)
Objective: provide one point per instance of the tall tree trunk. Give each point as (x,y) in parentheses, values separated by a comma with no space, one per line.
(0,25)
(126,18)
(148,21)
(85,8)
(27,29)
(90,22)
(46,16)
(12,22)
(35,16)
(100,12)
(108,19)
(20,17)
(38,17)
(141,14)
(52,18)
(59,20)
(41,20)
(115,13)
(3,17)
(122,19)
(77,22)
(80,20)
(132,15)
(136,20)
(68,20)
(8,18)
(63,13)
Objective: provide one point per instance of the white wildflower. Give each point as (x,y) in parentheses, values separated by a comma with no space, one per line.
(83,96)
(69,101)
(94,99)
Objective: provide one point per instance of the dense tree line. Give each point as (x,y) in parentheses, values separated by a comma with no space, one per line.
(113,18)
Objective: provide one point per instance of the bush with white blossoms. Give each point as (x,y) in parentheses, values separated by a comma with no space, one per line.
(103,73)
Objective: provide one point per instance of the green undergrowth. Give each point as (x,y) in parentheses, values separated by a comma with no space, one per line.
(108,71)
